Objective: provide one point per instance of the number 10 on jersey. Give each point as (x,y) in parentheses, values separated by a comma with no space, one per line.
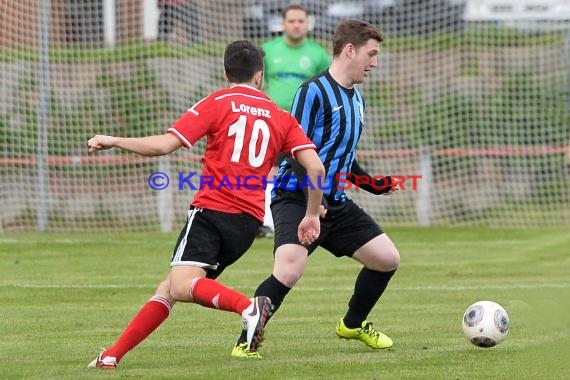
(260,127)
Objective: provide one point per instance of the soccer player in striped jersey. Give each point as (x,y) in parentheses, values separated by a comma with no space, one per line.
(331,111)
(245,131)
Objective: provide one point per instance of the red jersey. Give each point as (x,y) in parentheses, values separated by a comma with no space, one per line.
(245,132)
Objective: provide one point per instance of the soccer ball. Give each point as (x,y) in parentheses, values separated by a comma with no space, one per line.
(485,323)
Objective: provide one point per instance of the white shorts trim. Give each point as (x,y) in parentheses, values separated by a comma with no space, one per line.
(193,264)
(182,245)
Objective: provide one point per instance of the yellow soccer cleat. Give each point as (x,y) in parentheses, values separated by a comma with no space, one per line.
(366,334)
(240,351)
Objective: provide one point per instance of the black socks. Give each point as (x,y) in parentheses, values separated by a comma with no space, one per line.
(368,288)
(274,289)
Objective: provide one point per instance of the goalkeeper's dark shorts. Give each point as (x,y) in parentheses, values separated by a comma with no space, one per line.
(344,229)
(214,240)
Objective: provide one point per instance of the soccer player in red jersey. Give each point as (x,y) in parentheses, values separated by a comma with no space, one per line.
(245,131)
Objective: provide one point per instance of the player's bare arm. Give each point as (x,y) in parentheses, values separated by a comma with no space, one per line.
(309,159)
(158,145)
(309,228)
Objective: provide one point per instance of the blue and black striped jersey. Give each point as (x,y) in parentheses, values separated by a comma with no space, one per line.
(333,118)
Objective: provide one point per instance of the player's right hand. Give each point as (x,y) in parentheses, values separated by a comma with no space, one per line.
(99,142)
(309,230)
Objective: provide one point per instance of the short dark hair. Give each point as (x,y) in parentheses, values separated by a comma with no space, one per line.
(242,59)
(354,32)
(297,7)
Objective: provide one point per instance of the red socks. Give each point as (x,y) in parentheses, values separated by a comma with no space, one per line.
(206,292)
(152,314)
(212,294)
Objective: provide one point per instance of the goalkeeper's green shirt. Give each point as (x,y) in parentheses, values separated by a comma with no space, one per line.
(287,67)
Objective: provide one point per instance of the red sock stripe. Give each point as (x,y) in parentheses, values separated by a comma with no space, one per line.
(163,301)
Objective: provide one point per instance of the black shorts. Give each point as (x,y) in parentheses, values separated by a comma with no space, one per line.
(345,228)
(214,240)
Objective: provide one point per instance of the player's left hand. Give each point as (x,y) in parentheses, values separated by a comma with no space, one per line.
(393,188)
(322,211)
(309,230)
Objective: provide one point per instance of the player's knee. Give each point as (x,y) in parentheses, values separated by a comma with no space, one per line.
(392,260)
(386,261)
(164,286)
(180,292)
(389,257)
(163,290)
(290,263)
(176,294)
(288,272)
(289,278)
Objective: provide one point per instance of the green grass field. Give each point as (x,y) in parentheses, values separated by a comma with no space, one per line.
(62,296)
